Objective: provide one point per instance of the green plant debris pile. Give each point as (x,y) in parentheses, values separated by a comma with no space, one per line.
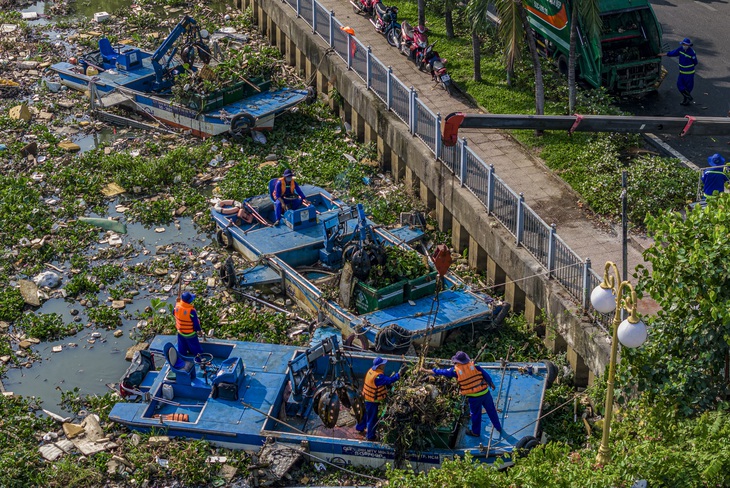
(420,413)
(262,67)
(400,264)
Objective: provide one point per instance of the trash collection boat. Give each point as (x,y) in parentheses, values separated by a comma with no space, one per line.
(128,76)
(321,255)
(240,394)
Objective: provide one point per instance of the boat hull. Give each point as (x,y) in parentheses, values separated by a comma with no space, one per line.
(261,408)
(257,112)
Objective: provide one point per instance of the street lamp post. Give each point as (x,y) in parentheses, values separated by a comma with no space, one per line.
(611,296)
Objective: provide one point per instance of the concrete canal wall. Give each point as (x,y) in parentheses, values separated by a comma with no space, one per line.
(491,247)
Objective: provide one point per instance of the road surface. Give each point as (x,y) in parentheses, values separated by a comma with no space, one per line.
(706,24)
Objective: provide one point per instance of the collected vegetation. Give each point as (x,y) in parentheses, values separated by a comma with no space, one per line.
(400,264)
(419,414)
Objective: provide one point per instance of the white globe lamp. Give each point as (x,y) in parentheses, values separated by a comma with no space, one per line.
(632,334)
(603,300)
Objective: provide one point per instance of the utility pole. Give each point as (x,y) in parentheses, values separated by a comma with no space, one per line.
(624,231)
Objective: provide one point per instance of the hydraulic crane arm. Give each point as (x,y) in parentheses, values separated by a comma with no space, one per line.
(700,126)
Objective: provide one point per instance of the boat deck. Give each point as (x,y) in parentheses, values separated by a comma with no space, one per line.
(452,307)
(140,78)
(262,105)
(264,390)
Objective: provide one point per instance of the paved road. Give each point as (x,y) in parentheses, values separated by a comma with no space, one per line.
(706,23)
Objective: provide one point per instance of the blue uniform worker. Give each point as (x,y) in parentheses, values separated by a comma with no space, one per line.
(187,325)
(287,192)
(714,178)
(687,61)
(474,383)
(374,391)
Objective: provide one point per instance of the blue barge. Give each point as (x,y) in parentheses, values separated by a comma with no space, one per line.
(309,251)
(239,394)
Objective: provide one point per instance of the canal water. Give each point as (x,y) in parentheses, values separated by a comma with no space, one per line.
(89,362)
(94,358)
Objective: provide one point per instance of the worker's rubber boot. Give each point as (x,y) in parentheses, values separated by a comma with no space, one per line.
(685,101)
(687,95)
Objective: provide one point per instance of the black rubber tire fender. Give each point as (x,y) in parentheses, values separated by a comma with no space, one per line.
(228,273)
(551,374)
(362,338)
(500,316)
(525,445)
(224,239)
(242,122)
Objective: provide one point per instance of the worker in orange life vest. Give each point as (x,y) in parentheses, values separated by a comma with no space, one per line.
(374,391)
(287,192)
(474,383)
(188,325)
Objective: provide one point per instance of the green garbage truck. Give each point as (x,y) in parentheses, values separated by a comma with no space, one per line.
(624,59)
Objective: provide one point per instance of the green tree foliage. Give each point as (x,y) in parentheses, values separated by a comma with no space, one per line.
(689,340)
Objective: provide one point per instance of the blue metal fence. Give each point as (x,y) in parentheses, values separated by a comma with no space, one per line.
(529,229)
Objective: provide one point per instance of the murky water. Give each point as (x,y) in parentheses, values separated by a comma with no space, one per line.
(86,361)
(90,366)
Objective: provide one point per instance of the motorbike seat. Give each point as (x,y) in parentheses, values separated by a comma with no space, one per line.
(380,9)
(437,64)
(407,29)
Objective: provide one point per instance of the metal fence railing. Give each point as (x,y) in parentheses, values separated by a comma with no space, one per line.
(529,230)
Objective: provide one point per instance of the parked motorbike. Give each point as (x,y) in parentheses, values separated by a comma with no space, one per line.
(412,39)
(385,20)
(422,55)
(363,6)
(437,68)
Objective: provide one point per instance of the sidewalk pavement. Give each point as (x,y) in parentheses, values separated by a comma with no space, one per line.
(549,196)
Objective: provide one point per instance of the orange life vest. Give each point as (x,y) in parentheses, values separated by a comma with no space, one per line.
(292,188)
(371,392)
(183,322)
(470,379)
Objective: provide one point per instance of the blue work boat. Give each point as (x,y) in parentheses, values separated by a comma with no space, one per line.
(130,77)
(327,244)
(240,394)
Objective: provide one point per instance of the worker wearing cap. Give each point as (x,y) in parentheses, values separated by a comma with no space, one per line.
(353,45)
(287,192)
(374,391)
(474,383)
(187,325)
(715,177)
(687,62)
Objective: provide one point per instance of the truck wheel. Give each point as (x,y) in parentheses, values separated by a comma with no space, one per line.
(562,64)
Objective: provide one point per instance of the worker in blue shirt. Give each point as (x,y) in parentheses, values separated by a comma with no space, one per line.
(715,177)
(687,62)
(287,192)
(474,383)
(374,391)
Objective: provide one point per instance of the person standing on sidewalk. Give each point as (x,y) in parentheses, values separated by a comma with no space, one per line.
(687,62)
(715,177)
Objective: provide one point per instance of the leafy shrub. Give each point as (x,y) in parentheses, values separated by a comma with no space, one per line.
(105,316)
(81,283)
(11,304)
(47,327)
